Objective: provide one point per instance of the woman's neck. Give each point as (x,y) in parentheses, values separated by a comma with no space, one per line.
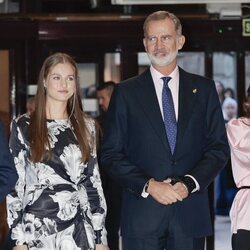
(56,111)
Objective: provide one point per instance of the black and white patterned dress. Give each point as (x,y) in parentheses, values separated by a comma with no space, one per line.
(57,203)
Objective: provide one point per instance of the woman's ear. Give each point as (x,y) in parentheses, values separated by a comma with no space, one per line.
(44,84)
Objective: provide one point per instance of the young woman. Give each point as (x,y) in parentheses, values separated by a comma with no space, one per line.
(58,201)
(238,131)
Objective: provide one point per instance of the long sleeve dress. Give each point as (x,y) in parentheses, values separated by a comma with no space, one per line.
(238,131)
(57,203)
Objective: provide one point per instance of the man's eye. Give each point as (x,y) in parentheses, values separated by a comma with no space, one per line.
(166,38)
(152,39)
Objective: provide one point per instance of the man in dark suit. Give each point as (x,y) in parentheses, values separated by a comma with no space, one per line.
(8,175)
(164,142)
(111,189)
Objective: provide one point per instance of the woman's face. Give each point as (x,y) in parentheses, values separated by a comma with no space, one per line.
(60,84)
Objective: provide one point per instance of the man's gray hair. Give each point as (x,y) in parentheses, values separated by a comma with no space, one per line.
(162,15)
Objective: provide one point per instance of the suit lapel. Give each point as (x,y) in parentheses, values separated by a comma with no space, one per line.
(147,98)
(187,95)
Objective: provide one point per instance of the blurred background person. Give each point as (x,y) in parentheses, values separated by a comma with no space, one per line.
(8,178)
(8,174)
(229,92)
(104,92)
(238,131)
(112,190)
(30,105)
(220,91)
(225,187)
(229,108)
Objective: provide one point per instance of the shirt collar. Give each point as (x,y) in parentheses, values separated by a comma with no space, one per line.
(156,75)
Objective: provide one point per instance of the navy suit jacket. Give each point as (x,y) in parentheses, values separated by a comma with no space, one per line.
(135,149)
(8,174)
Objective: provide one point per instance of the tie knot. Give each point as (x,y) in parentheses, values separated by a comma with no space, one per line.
(165,80)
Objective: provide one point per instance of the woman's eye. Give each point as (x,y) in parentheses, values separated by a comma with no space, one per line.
(71,78)
(57,78)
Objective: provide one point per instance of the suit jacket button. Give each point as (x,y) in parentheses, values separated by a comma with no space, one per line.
(173,163)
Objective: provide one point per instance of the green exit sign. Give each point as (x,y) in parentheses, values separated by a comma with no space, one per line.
(246,27)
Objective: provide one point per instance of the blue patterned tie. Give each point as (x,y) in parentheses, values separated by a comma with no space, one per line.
(169,113)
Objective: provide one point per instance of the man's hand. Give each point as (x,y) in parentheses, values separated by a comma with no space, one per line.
(181,189)
(163,192)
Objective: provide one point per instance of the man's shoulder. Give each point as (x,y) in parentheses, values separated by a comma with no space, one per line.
(197,81)
(194,77)
(132,82)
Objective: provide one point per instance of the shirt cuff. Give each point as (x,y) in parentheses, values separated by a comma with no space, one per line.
(144,194)
(197,186)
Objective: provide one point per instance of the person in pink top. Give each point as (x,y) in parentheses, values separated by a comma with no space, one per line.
(238,131)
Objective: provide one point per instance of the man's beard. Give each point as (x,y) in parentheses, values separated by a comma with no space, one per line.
(163,60)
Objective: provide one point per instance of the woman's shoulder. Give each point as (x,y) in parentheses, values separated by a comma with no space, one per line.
(22,120)
(238,129)
(239,123)
(233,122)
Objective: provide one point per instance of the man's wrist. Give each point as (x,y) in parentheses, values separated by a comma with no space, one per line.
(145,193)
(189,183)
(147,185)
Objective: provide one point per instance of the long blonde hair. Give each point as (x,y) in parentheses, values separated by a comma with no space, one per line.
(38,122)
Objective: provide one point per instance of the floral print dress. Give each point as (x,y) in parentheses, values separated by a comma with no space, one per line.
(57,203)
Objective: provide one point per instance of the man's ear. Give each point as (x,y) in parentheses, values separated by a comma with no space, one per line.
(181,41)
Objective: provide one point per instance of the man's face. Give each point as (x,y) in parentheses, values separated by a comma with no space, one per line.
(103,97)
(162,42)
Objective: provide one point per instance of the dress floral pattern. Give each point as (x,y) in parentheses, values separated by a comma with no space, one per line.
(57,203)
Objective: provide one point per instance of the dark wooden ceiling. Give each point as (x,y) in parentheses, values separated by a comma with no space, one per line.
(102,6)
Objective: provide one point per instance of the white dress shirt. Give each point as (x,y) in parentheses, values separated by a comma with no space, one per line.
(173,84)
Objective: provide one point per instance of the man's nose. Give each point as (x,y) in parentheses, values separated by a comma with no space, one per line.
(159,43)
